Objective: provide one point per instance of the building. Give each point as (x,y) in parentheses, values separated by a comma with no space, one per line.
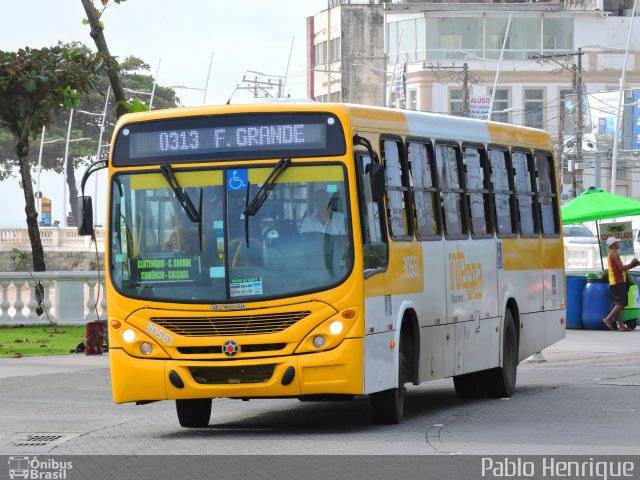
(449,54)
(345,53)
(443,56)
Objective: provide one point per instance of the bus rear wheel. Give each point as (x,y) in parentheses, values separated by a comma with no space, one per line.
(496,382)
(194,413)
(388,405)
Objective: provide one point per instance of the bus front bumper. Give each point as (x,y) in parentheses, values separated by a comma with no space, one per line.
(336,371)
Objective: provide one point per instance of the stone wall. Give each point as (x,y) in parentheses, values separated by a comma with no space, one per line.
(13,261)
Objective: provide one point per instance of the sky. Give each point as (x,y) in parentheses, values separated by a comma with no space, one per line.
(180,35)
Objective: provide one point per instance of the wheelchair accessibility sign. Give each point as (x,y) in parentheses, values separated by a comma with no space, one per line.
(237,179)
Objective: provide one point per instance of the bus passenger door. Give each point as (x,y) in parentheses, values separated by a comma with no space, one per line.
(379,365)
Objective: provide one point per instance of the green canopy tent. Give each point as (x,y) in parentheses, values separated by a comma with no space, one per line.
(596,204)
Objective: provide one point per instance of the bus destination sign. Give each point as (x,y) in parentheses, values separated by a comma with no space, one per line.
(229,137)
(155,270)
(299,136)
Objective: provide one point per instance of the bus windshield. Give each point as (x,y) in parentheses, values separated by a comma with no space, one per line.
(298,241)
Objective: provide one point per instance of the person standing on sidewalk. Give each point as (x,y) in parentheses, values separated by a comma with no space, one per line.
(618,284)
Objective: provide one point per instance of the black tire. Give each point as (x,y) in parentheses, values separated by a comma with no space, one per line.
(631,324)
(194,413)
(388,405)
(496,382)
(502,381)
(468,385)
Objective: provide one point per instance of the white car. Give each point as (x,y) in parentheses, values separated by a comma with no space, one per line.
(578,234)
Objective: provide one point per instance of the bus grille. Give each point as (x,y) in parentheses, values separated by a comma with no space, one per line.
(260,347)
(218,326)
(232,375)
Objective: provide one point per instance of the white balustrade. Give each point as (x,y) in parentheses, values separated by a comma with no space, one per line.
(92,302)
(54,239)
(582,257)
(68,297)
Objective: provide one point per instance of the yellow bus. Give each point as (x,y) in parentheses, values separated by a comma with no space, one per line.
(318,251)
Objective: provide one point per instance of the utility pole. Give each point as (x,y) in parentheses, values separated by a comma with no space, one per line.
(561,139)
(447,74)
(619,113)
(580,126)
(578,88)
(262,84)
(465,89)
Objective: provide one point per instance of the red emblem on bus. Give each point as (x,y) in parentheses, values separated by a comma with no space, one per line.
(230,348)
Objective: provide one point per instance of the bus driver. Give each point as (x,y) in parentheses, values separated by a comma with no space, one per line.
(324,219)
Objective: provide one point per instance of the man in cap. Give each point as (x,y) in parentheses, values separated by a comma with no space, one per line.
(618,284)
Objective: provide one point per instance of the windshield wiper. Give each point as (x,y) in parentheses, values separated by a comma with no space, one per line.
(261,195)
(183,198)
(266,187)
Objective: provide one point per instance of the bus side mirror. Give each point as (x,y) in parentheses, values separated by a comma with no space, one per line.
(377,176)
(85,212)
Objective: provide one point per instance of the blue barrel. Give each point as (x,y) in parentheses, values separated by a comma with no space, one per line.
(575,286)
(595,304)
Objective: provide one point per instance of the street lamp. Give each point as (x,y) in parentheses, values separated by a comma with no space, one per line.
(206,83)
(66,154)
(42,144)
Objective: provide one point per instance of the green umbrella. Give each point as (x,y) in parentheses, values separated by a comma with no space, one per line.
(596,204)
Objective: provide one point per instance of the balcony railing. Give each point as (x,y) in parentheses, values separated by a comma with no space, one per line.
(54,239)
(467,54)
(68,298)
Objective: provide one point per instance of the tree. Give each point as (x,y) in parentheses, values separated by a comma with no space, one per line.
(97,33)
(33,84)
(133,76)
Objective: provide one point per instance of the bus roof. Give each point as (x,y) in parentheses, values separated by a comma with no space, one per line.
(378,119)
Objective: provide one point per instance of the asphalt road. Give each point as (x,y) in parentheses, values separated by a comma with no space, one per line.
(585,399)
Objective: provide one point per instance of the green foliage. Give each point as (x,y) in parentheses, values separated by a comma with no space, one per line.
(135,105)
(34,83)
(20,258)
(132,71)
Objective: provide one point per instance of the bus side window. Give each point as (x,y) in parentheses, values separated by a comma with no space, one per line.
(372,219)
(525,192)
(477,184)
(397,190)
(448,165)
(425,196)
(548,207)
(502,192)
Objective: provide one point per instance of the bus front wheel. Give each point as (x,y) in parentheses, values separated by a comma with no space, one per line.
(194,413)
(388,405)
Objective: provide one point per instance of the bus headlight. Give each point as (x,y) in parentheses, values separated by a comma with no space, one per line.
(329,334)
(137,343)
(319,341)
(129,336)
(336,327)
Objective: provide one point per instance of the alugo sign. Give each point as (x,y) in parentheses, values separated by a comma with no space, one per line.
(479,106)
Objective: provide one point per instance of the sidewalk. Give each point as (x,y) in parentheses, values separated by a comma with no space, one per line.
(26,366)
(598,341)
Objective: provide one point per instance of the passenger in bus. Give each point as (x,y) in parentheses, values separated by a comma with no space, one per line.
(324,218)
(618,284)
